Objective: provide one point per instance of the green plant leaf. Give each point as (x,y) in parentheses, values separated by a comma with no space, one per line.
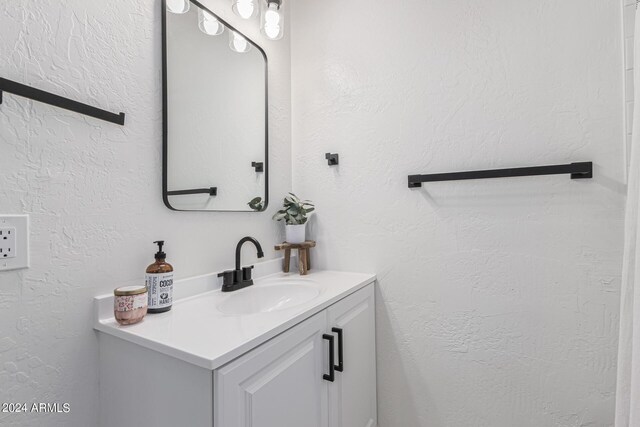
(279,216)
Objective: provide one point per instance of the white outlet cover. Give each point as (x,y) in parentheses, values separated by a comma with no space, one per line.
(19,242)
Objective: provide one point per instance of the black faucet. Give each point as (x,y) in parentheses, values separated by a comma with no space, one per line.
(241,276)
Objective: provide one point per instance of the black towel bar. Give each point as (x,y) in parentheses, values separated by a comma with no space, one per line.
(212,191)
(58,101)
(577,170)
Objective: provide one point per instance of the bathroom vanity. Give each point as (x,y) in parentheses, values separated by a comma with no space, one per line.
(289,351)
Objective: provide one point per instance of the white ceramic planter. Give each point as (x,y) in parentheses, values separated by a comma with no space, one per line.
(295,233)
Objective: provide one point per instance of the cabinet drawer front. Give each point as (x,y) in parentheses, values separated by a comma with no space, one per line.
(278,384)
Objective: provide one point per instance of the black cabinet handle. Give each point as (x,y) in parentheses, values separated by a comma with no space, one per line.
(331,376)
(340,366)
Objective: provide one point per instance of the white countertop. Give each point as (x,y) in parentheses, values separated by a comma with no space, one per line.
(196,331)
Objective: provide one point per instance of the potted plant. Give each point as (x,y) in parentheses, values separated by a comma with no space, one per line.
(295,215)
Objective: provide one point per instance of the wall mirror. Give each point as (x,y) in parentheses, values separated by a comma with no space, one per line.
(215,113)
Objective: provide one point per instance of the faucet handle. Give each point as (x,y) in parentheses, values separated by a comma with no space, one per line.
(246,273)
(227,277)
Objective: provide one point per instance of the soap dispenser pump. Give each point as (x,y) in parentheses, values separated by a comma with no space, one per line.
(159,282)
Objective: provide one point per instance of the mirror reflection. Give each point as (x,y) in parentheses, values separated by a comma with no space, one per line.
(215,89)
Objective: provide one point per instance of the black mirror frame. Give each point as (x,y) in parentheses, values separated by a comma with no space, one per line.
(165,119)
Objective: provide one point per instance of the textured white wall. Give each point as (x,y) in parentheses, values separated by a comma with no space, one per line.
(498,299)
(93,189)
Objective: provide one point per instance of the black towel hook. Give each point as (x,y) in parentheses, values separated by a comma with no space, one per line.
(332,159)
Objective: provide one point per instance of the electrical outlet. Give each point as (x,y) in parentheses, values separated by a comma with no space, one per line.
(14,242)
(7,242)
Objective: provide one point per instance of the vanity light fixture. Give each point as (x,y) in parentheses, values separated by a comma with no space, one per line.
(209,24)
(237,43)
(271,22)
(245,9)
(178,6)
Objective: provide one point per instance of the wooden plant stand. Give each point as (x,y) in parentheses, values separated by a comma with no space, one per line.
(304,259)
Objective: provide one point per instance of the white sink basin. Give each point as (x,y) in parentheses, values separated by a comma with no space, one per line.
(267,298)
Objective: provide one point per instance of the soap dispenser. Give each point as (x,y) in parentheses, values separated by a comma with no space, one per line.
(159,281)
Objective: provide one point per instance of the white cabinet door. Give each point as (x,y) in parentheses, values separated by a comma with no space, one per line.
(279,384)
(352,397)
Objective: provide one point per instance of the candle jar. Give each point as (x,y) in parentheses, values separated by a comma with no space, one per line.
(130,304)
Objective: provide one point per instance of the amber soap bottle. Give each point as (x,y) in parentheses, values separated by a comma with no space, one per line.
(159,282)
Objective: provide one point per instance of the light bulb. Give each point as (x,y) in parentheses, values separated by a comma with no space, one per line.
(244,8)
(237,43)
(209,24)
(178,6)
(272,17)
(272,24)
(272,20)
